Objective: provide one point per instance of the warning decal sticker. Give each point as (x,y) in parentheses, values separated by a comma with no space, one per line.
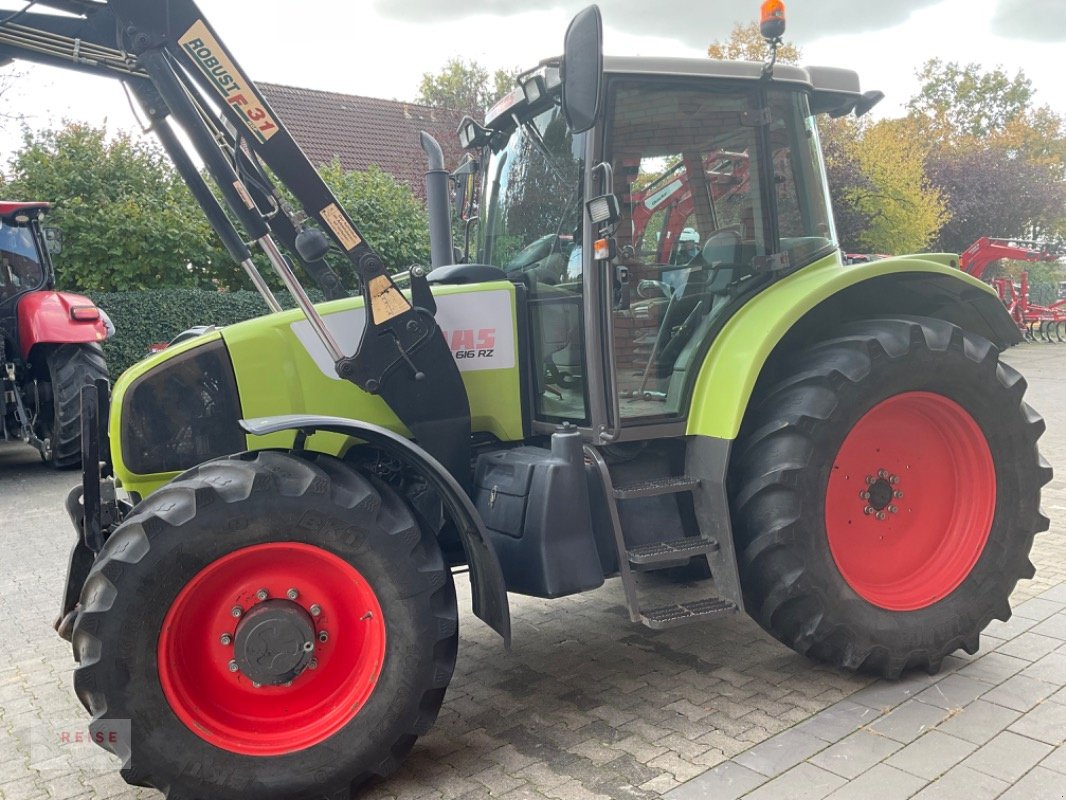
(340,226)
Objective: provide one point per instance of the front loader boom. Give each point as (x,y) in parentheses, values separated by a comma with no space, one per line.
(180,71)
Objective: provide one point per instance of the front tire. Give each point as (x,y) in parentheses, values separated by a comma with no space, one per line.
(885,496)
(71,367)
(338,658)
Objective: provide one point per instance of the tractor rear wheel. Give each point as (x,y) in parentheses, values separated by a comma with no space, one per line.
(71,367)
(885,495)
(267,625)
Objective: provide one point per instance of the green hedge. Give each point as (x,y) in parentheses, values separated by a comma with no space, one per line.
(1043,294)
(144,318)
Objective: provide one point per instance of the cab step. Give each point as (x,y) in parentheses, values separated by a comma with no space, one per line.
(660,552)
(684,613)
(670,485)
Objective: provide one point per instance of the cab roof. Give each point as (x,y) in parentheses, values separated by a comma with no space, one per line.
(11,207)
(834,89)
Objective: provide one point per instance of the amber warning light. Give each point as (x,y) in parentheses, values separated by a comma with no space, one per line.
(772,19)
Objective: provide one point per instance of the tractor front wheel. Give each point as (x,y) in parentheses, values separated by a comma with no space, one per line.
(267,626)
(71,367)
(886,493)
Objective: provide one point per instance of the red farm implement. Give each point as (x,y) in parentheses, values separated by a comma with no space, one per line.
(1036,321)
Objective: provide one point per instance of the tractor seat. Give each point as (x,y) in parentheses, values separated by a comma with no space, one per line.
(721,254)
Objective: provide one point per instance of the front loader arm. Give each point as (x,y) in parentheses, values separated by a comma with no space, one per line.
(180,70)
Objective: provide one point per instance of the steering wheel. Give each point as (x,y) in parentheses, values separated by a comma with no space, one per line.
(645,288)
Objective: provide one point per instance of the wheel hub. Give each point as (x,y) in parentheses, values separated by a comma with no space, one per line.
(880,494)
(274,642)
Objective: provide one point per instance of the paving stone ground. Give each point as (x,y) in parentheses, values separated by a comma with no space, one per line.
(587,705)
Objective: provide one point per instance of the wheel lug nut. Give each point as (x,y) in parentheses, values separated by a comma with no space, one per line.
(897,494)
(323,636)
(225,639)
(261,595)
(864,495)
(313,664)
(868,510)
(894,479)
(894,509)
(870,479)
(237,611)
(233,666)
(256,685)
(882,473)
(309,646)
(292,594)
(880,514)
(316,609)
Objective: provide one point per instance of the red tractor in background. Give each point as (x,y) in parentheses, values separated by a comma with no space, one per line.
(49,342)
(1034,320)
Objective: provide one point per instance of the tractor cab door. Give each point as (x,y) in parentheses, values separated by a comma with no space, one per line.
(532,230)
(721,193)
(22,270)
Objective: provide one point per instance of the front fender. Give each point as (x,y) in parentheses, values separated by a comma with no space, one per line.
(811,302)
(45,318)
(489,595)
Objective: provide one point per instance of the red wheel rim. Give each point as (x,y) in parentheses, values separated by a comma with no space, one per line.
(222,706)
(910,501)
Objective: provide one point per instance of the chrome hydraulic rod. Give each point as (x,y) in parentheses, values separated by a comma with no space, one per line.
(284,271)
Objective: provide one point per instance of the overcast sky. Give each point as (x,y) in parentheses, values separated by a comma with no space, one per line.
(380,48)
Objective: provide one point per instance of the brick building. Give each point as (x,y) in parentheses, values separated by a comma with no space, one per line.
(361,131)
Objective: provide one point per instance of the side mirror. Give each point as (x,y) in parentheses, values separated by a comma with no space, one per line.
(582,70)
(464,184)
(53,240)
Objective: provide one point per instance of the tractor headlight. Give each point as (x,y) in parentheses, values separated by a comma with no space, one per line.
(182,412)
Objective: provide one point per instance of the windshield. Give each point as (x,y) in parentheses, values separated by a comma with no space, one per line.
(20,264)
(532,214)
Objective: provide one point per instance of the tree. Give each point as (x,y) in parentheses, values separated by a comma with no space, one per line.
(465,85)
(963,100)
(845,178)
(992,190)
(128,220)
(901,211)
(389,215)
(999,160)
(745,43)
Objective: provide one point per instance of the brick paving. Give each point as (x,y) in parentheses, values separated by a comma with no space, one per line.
(587,705)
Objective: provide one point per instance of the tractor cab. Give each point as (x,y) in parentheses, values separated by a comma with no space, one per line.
(24,262)
(719,188)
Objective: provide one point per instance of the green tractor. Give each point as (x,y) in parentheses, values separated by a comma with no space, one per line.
(837,449)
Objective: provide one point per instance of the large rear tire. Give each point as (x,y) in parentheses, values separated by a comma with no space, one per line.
(885,496)
(270,626)
(71,367)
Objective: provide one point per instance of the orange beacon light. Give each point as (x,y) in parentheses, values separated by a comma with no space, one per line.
(772,19)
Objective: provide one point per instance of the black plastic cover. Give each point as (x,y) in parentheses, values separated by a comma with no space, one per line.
(535,506)
(462,274)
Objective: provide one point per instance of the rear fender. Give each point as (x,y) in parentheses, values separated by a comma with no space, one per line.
(808,305)
(45,318)
(489,595)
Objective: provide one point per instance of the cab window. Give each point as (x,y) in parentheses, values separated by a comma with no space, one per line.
(20,264)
